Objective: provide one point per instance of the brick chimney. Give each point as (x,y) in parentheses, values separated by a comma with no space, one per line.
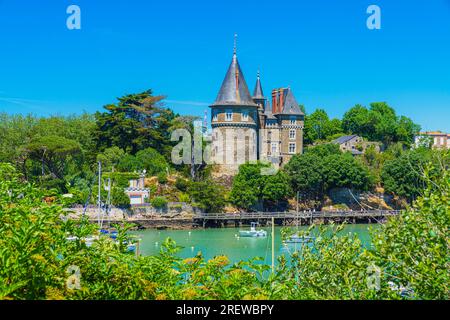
(274,100)
(280,106)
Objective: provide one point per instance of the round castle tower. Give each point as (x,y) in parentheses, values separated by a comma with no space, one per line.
(234,122)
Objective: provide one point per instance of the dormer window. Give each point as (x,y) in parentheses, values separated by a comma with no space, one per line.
(293,120)
(229,115)
(245,115)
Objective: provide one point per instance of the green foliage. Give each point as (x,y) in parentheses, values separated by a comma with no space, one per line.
(410,251)
(110,158)
(251,187)
(403,176)
(152,161)
(159,202)
(119,198)
(323,168)
(162,178)
(129,163)
(183,197)
(379,123)
(413,249)
(209,195)
(136,122)
(318,126)
(51,154)
(181,184)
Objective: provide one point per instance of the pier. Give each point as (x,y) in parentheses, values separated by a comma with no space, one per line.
(290,218)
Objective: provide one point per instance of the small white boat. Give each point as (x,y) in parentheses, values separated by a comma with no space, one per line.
(253,232)
(299,239)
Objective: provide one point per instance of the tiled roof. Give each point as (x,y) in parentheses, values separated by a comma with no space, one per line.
(258,91)
(234,90)
(344,139)
(290,105)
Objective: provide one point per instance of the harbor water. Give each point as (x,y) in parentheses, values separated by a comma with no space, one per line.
(226,241)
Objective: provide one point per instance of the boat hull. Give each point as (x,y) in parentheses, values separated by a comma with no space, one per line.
(253,234)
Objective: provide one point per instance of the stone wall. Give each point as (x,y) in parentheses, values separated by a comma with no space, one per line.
(173,210)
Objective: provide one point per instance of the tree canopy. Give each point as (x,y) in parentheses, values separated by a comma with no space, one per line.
(252,189)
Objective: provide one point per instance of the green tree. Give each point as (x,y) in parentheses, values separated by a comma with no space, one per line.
(129,163)
(402,175)
(208,194)
(322,168)
(152,161)
(318,126)
(357,121)
(252,188)
(52,153)
(136,122)
(110,158)
(159,202)
(379,123)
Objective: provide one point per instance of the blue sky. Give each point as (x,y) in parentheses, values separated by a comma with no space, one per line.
(322,49)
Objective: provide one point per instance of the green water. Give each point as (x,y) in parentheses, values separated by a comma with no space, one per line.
(224,241)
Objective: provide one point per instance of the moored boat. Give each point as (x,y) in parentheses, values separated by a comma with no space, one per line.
(253,232)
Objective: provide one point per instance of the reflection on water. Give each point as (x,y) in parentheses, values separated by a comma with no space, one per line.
(225,241)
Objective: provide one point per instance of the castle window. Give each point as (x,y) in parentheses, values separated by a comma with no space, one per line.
(292,147)
(244,115)
(229,115)
(293,120)
(292,134)
(274,148)
(269,135)
(214,112)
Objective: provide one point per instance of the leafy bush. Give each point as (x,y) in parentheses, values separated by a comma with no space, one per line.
(162,178)
(323,168)
(183,197)
(208,195)
(181,184)
(37,261)
(250,187)
(159,202)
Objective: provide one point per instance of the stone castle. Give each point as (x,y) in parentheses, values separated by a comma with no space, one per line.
(248,127)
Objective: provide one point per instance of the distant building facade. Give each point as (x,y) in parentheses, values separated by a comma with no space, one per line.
(248,127)
(437,139)
(355,144)
(137,191)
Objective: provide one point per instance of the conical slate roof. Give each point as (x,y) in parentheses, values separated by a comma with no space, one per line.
(258,92)
(234,90)
(290,105)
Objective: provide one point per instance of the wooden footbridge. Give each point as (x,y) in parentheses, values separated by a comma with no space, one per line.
(288,218)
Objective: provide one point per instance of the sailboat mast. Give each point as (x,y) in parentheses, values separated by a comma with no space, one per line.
(99,191)
(273,244)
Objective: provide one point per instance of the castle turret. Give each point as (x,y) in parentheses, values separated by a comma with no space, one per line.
(234,121)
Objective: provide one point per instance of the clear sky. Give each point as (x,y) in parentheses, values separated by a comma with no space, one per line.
(182,49)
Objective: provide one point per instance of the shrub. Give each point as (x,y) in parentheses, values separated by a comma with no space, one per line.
(162,178)
(183,197)
(181,184)
(159,202)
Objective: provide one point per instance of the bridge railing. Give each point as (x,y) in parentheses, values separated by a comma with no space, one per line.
(296,215)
